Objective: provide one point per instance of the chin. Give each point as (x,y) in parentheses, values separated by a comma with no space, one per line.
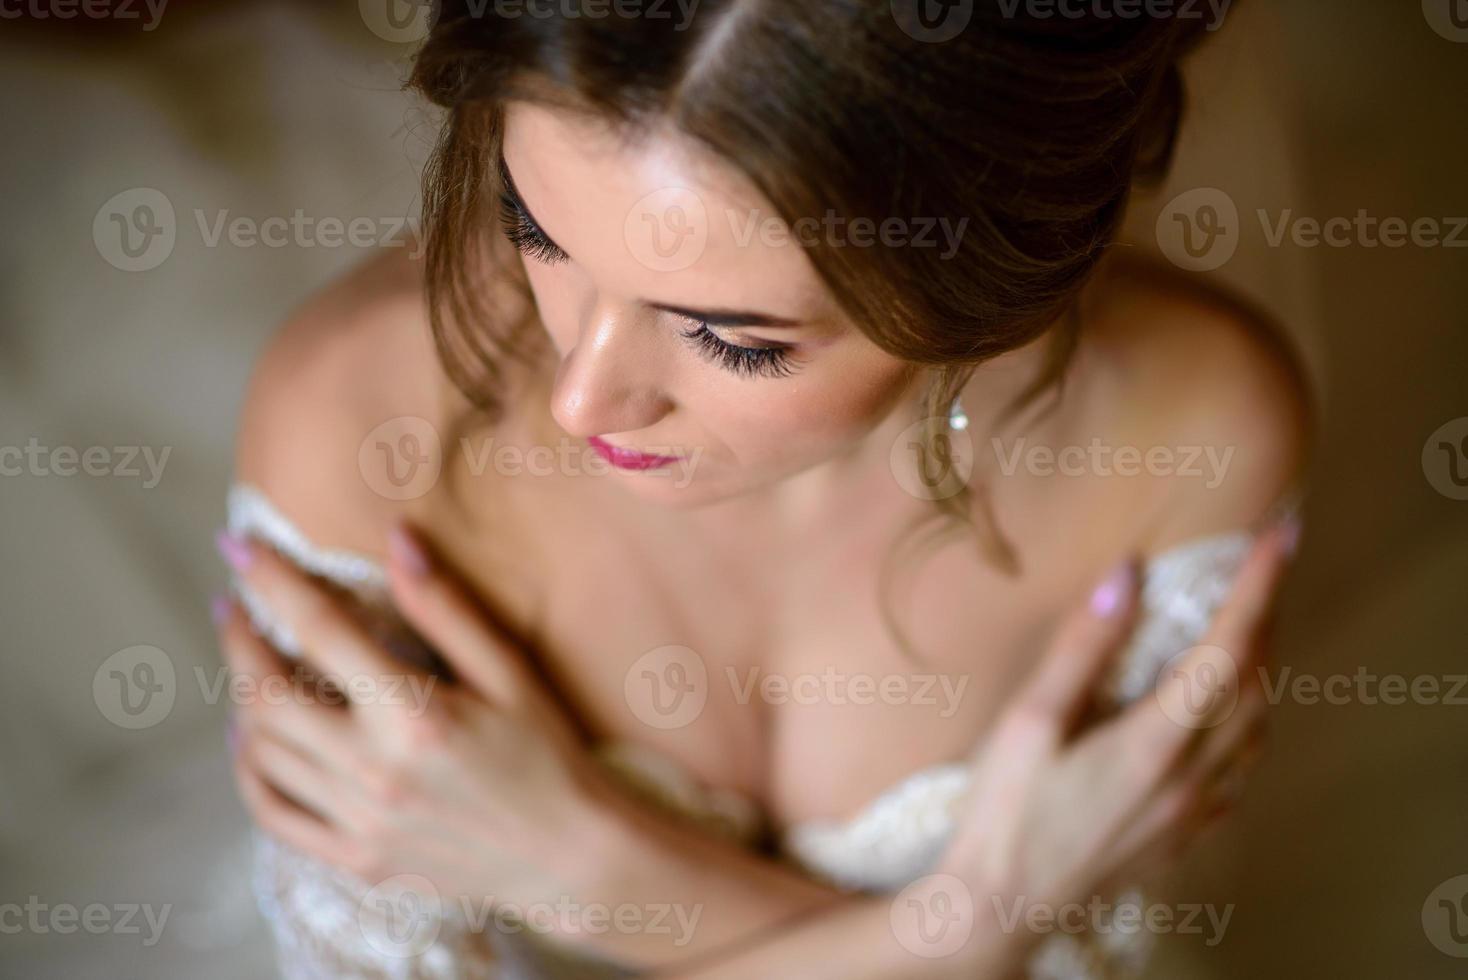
(673,491)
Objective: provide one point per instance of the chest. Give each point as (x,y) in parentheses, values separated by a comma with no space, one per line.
(792,689)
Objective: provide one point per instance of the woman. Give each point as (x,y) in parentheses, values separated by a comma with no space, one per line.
(849,403)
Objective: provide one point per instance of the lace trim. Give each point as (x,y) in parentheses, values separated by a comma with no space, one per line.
(314,909)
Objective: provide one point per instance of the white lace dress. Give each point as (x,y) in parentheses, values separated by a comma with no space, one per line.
(324,928)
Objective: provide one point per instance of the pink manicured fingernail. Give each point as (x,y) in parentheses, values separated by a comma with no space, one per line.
(407,551)
(234,550)
(1112,593)
(1291,527)
(219,609)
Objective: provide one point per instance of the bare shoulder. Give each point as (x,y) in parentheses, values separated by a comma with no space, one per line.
(1208,380)
(356,355)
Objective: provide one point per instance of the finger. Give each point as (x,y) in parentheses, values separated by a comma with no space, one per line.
(1212,779)
(1219,747)
(1064,685)
(286,820)
(293,775)
(436,602)
(270,693)
(1251,600)
(331,638)
(1194,693)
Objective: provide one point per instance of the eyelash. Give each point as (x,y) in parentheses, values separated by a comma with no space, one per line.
(526,236)
(769,362)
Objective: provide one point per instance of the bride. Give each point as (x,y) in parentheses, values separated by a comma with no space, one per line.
(854,618)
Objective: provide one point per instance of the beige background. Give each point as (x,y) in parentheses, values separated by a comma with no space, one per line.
(1319,107)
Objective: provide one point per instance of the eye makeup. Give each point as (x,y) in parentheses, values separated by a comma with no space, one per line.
(772,361)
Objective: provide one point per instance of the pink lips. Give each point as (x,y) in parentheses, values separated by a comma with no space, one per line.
(628,459)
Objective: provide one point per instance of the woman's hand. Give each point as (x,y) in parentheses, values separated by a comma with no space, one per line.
(1061,807)
(481,785)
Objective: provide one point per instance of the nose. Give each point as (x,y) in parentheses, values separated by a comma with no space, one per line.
(609,382)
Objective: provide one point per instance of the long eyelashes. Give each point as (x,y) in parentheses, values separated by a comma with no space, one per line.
(768,362)
(525,235)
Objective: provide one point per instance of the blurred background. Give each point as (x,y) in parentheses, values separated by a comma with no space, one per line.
(132,307)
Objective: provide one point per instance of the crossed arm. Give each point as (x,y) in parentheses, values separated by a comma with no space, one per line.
(485,789)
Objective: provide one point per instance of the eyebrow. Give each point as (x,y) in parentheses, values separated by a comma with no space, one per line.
(727,318)
(715,318)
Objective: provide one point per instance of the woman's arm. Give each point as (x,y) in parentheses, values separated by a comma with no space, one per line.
(482,791)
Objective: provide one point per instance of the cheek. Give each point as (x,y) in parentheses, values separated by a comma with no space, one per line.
(557,298)
(831,404)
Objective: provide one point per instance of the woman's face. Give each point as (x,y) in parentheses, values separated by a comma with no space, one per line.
(686,324)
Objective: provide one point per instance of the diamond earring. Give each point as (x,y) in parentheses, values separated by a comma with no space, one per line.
(957,419)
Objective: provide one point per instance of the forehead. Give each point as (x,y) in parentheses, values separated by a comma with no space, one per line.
(654,215)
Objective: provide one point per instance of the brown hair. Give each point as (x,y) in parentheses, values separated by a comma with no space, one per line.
(1034,128)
